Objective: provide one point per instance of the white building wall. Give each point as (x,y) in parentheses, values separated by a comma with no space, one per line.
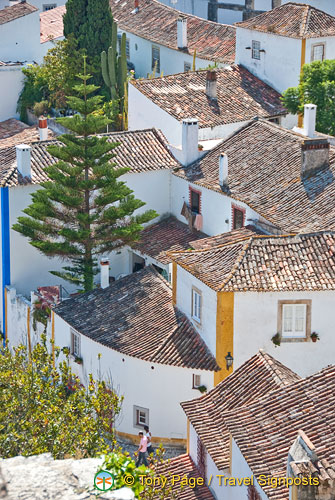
(171,61)
(42,4)
(255,323)
(216,208)
(207,328)
(329,42)
(20,39)
(275,69)
(11,84)
(159,388)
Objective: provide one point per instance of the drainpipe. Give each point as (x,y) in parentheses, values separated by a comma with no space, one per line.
(303,59)
(5,254)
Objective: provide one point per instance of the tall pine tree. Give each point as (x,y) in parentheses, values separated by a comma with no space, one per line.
(90,23)
(84,210)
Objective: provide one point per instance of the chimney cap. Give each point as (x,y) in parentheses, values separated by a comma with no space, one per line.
(23,146)
(211,75)
(190,121)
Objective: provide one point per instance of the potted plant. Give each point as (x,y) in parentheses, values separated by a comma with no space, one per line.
(276,339)
(78,360)
(200,147)
(315,337)
(202,388)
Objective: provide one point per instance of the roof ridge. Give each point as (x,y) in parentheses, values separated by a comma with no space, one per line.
(305,20)
(275,363)
(237,264)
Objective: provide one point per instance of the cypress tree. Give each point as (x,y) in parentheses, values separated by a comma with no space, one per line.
(83,210)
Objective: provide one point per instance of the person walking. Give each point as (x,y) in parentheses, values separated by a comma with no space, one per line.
(142,449)
(148,436)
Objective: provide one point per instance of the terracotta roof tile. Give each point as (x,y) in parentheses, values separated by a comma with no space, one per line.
(293,20)
(265,173)
(241,96)
(265,429)
(13,132)
(141,151)
(15,11)
(222,239)
(266,263)
(257,377)
(167,235)
(135,316)
(184,467)
(51,23)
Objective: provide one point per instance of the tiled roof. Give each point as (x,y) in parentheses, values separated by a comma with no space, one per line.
(241,96)
(224,238)
(15,11)
(135,316)
(265,172)
(265,430)
(166,235)
(158,23)
(257,377)
(51,23)
(293,20)
(13,132)
(141,151)
(266,264)
(184,466)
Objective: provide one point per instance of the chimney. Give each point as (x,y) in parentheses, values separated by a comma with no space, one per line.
(314,156)
(190,140)
(104,273)
(182,32)
(211,84)
(309,120)
(43,128)
(223,169)
(23,160)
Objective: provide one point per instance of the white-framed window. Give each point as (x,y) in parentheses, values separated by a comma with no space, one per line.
(294,319)
(141,416)
(187,67)
(156,58)
(196,381)
(75,344)
(256,48)
(119,36)
(196,305)
(318,52)
(49,6)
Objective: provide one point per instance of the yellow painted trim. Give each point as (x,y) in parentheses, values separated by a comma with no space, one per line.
(188,437)
(224,333)
(28,330)
(53,336)
(174,283)
(156,440)
(303,60)
(6,316)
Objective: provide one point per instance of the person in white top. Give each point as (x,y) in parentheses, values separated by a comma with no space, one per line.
(148,436)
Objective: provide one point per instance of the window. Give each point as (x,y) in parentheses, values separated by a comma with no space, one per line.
(49,6)
(187,67)
(238,218)
(141,416)
(294,319)
(196,381)
(155,63)
(195,201)
(196,305)
(318,52)
(256,47)
(75,343)
(127,45)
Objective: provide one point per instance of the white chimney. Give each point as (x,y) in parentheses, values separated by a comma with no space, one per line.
(211,84)
(223,169)
(104,273)
(43,128)
(23,160)
(309,120)
(182,32)
(190,134)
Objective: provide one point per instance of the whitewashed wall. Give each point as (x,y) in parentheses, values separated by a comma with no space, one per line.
(329,42)
(216,208)
(20,39)
(255,322)
(160,389)
(11,83)
(171,61)
(40,4)
(207,329)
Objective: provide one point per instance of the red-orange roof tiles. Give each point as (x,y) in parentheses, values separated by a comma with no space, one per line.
(15,11)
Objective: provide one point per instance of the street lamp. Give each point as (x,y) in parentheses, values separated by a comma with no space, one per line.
(229,360)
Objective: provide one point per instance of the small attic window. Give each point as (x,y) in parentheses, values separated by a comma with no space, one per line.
(256,50)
